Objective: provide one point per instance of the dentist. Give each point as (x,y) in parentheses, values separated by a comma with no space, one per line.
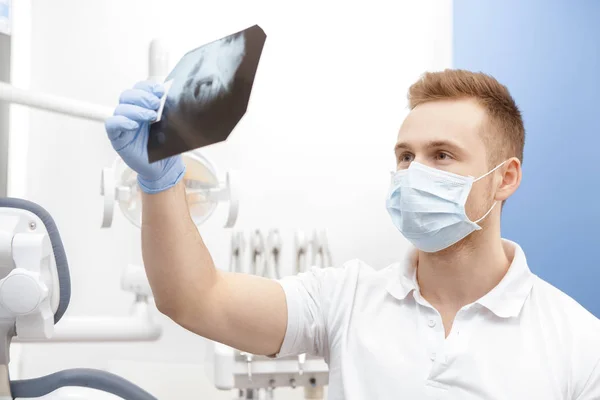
(460,317)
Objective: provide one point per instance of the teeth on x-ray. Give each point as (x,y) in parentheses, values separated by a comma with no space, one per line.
(209,92)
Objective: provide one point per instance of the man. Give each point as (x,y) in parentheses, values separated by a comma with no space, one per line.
(462,317)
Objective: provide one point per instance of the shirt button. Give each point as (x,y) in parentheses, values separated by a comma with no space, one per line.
(432,356)
(431,323)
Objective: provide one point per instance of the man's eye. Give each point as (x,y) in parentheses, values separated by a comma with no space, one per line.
(443,156)
(405,157)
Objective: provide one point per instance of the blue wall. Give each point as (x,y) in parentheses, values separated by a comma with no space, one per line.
(548,54)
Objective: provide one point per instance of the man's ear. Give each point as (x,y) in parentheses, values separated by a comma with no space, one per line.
(509,179)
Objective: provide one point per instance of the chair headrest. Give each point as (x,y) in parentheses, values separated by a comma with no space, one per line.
(58,250)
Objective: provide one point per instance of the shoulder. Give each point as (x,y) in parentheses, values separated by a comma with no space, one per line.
(357,275)
(337,286)
(347,275)
(555,305)
(358,285)
(570,329)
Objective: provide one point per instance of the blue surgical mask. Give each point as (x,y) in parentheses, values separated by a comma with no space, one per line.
(427,205)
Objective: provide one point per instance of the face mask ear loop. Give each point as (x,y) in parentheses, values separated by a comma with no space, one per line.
(494,205)
(487,213)
(489,172)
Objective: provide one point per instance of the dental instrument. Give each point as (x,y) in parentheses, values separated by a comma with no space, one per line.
(237,252)
(301,252)
(274,247)
(257,254)
(321,255)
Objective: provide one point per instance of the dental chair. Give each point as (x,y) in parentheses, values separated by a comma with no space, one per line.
(35,292)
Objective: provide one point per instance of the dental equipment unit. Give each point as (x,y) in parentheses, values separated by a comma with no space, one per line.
(258,377)
(35,285)
(119,185)
(35,291)
(34,279)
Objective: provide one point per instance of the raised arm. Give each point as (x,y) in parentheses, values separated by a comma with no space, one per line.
(243,311)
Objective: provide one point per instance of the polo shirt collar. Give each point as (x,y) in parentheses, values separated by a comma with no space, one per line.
(505,300)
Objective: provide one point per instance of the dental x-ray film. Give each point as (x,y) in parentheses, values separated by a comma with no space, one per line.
(206,94)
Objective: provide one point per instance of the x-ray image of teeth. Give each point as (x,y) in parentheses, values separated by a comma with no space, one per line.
(208,94)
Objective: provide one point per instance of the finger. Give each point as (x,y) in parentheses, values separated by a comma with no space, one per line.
(151,87)
(118,125)
(136,113)
(140,98)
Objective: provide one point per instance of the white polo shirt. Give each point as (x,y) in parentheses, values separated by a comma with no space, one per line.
(525,339)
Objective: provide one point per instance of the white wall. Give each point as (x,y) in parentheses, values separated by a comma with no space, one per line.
(315,148)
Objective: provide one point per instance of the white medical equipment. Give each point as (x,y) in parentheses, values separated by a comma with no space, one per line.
(119,185)
(257,377)
(203,188)
(34,295)
(140,325)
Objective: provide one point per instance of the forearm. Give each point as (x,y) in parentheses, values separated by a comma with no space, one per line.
(178,264)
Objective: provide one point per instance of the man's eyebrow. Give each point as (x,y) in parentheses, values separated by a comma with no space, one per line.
(431,144)
(401,145)
(445,143)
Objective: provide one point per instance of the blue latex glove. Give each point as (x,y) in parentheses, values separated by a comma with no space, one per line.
(128,131)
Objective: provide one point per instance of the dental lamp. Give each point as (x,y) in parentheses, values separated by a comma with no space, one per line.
(203,190)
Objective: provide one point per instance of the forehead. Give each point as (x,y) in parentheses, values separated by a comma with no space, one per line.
(458,121)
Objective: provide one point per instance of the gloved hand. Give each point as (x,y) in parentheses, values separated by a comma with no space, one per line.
(128,131)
